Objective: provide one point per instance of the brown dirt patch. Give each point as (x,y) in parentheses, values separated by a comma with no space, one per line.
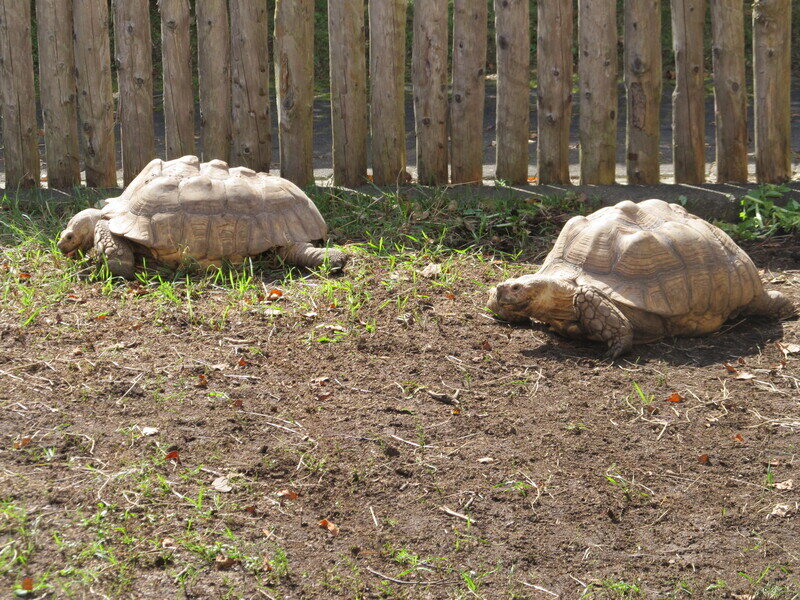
(388,403)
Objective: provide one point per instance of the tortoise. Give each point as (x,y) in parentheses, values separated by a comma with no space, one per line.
(635,273)
(183,211)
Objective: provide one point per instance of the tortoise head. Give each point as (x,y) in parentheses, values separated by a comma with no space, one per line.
(79,234)
(547,299)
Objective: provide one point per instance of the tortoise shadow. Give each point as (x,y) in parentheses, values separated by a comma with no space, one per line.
(736,339)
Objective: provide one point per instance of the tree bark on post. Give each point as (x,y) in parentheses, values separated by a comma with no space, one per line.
(214,71)
(469,83)
(252,137)
(95,99)
(58,92)
(429,77)
(20,130)
(133,50)
(772,71)
(688,98)
(597,75)
(512,33)
(348,76)
(176,56)
(643,85)
(554,89)
(294,76)
(387,42)
(730,91)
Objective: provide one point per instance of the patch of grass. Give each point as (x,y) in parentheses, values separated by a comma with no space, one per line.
(764,215)
(612,589)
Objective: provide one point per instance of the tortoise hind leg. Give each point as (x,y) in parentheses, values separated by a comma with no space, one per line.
(302,254)
(771,304)
(117,250)
(602,320)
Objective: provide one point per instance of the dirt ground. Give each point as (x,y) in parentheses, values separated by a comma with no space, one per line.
(376,434)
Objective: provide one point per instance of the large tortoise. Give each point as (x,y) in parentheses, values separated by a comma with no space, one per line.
(182,211)
(634,273)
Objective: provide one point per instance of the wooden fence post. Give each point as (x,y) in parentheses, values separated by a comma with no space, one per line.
(95,100)
(688,98)
(176,56)
(643,85)
(387,42)
(348,77)
(214,70)
(294,76)
(554,89)
(133,51)
(597,75)
(429,77)
(20,131)
(512,33)
(58,92)
(772,74)
(252,137)
(730,91)
(469,85)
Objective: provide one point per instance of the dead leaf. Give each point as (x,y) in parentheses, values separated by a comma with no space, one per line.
(250,510)
(675,397)
(450,295)
(730,368)
(21,443)
(168,543)
(788,349)
(242,362)
(442,397)
(202,380)
(274,294)
(332,528)
(533,179)
(238,403)
(487,347)
(320,381)
(783,510)
(785,485)
(431,270)
(738,438)
(149,430)
(221,484)
(173,455)
(223,563)
(322,396)
(27,584)
(703,459)
(287,494)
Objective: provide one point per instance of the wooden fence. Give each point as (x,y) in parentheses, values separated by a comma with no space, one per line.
(233,63)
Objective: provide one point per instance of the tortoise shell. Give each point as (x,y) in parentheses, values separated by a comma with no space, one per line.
(209,212)
(655,257)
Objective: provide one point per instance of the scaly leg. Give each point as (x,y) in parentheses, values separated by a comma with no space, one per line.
(302,254)
(602,320)
(116,249)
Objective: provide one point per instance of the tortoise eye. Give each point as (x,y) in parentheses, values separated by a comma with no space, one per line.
(516,287)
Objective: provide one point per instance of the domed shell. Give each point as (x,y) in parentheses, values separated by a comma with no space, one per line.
(656,257)
(209,212)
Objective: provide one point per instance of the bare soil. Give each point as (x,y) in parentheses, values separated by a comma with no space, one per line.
(459,457)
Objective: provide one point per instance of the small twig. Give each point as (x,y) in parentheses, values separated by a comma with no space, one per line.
(540,588)
(392,579)
(399,439)
(453,513)
(133,385)
(374,518)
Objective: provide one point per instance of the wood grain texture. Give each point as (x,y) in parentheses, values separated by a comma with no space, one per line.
(252,135)
(213,67)
(643,86)
(468,95)
(730,90)
(95,100)
(688,98)
(387,26)
(133,48)
(772,74)
(348,76)
(429,78)
(20,131)
(176,57)
(512,22)
(597,76)
(294,76)
(554,89)
(58,92)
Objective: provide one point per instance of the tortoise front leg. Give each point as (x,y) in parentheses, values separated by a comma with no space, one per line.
(302,254)
(116,249)
(602,320)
